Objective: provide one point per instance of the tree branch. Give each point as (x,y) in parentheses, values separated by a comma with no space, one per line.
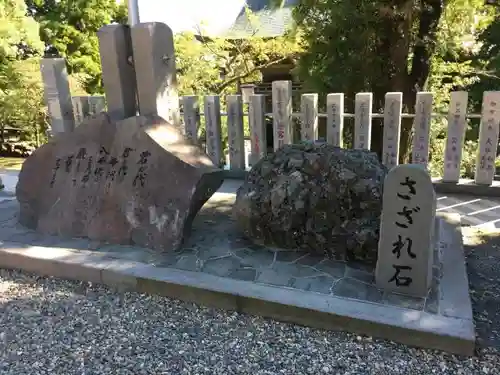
(228,82)
(206,42)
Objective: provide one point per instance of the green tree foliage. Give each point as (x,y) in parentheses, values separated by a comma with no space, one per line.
(18,33)
(387,45)
(69,29)
(20,87)
(486,60)
(22,110)
(216,65)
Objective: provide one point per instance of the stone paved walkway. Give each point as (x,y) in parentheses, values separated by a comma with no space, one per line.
(237,258)
(216,247)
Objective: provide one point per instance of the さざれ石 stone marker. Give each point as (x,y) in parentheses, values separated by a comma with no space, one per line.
(405,251)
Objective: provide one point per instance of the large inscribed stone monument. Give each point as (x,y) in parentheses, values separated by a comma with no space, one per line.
(136,181)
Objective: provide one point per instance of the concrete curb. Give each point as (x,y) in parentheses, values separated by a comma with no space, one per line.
(467,187)
(454,300)
(452,332)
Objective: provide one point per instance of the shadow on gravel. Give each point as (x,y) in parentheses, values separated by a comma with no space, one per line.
(482,250)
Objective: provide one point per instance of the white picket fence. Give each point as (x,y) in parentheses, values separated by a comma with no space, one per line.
(283,119)
(148,85)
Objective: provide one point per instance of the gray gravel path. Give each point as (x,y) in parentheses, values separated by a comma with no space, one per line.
(482,249)
(49,326)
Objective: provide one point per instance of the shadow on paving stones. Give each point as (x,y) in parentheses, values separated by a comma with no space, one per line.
(482,250)
(212,222)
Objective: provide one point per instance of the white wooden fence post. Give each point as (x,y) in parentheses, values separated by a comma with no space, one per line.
(422,128)
(309,109)
(363,120)
(488,138)
(80,108)
(235,132)
(191,112)
(97,104)
(282,113)
(335,119)
(213,128)
(457,122)
(257,122)
(392,128)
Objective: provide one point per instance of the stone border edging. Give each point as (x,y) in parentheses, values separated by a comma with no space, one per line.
(455,299)
(453,333)
(468,187)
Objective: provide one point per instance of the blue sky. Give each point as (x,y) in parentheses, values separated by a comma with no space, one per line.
(212,16)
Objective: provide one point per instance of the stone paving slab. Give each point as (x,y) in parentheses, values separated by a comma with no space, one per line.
(218,267)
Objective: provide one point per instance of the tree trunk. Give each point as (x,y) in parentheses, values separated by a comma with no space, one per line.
(423,49)
(393,49)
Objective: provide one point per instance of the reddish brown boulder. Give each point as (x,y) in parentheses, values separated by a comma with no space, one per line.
(137,181)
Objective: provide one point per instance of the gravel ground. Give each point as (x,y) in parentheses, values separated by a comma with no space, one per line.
(482,250)
(49,326)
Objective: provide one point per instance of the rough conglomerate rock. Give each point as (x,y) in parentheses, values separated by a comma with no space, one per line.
(135,181)
(315,197)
